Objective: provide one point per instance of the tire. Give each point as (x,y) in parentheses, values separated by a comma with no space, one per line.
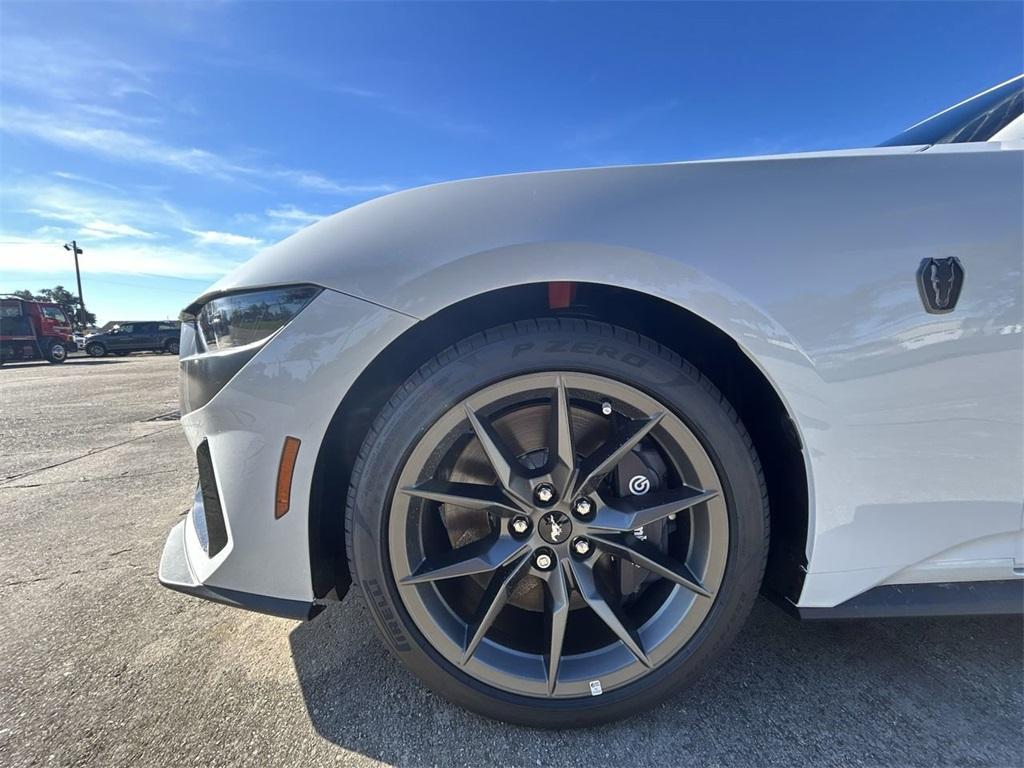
(95,349)
(172,347)
(708,556)
(56,352)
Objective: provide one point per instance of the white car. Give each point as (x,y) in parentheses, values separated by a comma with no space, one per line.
(561,428)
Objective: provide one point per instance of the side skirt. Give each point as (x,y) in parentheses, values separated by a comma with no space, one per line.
(967,598)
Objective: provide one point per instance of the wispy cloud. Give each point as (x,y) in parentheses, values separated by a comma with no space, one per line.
(79,178)
(137,148)
(121,233)
(107,229)
(113,143)
(294,215)
(36,255)
(64,69)
(213,237)
(286,219)
(316,183)
(112,115)
(90,209)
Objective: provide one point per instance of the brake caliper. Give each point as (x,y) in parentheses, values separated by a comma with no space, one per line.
(641,472)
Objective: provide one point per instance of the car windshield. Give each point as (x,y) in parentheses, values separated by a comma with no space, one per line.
(979,118)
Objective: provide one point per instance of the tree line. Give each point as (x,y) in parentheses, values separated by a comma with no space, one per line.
(69,302)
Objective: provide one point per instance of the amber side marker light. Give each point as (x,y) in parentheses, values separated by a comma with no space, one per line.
(283,498)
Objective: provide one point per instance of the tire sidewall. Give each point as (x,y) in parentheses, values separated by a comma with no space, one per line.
(95,349)
(568,346)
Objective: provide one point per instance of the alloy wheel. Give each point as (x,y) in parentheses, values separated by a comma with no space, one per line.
(526,559)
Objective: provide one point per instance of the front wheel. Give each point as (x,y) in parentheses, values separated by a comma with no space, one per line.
(57,352)
(557,523)
(95,349)
(172,347)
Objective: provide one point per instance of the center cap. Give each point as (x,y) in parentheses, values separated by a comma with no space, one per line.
(555,527)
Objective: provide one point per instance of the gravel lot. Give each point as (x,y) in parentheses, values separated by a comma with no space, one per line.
(101,666)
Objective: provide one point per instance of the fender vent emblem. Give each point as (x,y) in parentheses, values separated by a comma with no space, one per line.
(939,282)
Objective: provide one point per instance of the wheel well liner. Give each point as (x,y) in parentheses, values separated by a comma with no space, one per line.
(693,338)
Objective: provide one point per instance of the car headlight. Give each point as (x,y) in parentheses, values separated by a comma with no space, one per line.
(247,317)
(225,332)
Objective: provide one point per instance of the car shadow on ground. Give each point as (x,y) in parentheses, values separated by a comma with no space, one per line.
(896,692)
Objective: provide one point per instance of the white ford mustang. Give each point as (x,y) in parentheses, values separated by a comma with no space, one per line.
(561,428)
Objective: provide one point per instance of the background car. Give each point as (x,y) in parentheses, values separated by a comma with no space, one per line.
(561,428)
(155,336)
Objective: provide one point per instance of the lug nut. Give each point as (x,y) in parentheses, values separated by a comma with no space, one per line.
(583,507)
(544,493)
(543,561)
(581,547)
(520,525)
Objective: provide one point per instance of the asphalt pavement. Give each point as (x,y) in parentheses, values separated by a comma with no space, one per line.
(101,666)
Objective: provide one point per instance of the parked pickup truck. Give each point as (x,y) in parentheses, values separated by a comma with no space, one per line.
(33,330)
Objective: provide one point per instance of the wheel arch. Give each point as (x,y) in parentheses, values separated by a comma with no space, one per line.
(764,412)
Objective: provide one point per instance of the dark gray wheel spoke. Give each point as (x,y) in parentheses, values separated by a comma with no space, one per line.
(470,495)
(645,555)
(556,615)
(494,599)
(604,459)
(637,511)
(606,608)
(479,557)
(506,466)
(561,453)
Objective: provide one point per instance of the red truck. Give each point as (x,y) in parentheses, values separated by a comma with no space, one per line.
(33,330)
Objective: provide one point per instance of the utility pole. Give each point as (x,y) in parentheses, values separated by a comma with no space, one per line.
(78,276)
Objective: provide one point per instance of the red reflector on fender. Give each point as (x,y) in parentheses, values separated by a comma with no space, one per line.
(561,295)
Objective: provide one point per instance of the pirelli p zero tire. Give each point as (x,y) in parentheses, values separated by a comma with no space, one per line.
(557,523)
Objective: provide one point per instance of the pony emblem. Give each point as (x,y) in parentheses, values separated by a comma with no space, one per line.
(939,282)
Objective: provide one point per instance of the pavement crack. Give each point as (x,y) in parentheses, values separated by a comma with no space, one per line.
(122,476)
(87,454)
(25,581)
(74,572)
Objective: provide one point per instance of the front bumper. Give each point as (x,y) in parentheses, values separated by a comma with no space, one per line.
(176,574)
(291,387)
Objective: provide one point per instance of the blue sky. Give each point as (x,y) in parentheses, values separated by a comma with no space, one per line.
(174,140)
